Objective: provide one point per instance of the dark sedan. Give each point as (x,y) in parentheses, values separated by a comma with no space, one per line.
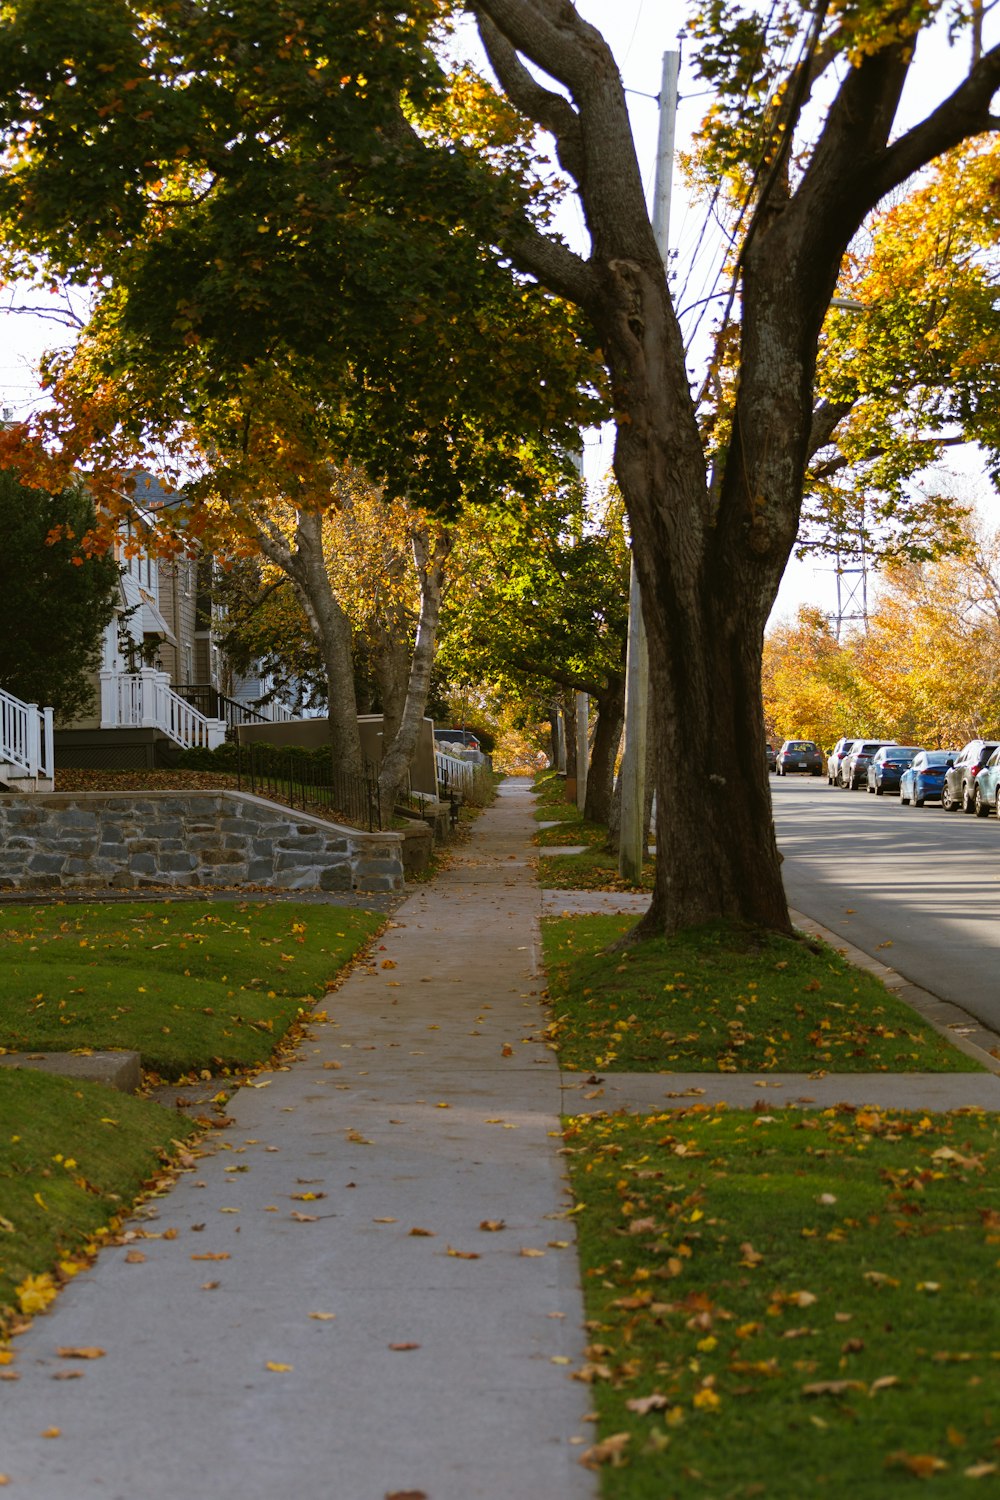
(887,766)
(854,771)
(923,779)
(799,755)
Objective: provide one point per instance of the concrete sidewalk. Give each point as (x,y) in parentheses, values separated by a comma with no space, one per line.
(402,1176)
(424,1110)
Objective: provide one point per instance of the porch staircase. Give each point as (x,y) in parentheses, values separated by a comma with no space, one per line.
(146,700)
(26,758)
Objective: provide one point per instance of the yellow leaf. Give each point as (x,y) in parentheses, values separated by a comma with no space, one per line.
(35,1293)
(493,1226)
(463,1254)
(322,1317)
(530,1254)
(51,1432)
(272,1364)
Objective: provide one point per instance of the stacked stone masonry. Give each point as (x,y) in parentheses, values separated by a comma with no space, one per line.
(97,840)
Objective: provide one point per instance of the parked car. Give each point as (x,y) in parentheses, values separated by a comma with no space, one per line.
(960,779)
(836,759)
(923,779)
(854,770)
(984,796)
(887,766)
(799,755)
(770,756)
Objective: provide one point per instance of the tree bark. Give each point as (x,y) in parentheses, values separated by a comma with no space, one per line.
(430,555)
(603,753)
(305,568)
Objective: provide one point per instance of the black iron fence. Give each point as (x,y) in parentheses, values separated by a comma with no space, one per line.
(215,705)
(307,779)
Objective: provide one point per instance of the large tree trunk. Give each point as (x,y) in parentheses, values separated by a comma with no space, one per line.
(390,642)
(603,753)
(306,570)
(430,558)
(710,550)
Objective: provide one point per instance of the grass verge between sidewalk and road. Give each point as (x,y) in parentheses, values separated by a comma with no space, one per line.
(789,1305)
(191,986)
(726,1000)
(73,1159)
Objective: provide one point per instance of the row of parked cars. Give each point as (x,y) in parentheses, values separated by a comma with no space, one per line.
(968,778)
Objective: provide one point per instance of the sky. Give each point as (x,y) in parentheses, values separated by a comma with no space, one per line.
(639,31)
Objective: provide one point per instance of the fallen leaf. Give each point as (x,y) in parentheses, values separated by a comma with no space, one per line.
(493,1226)
(833,1387)
(303,1218)
(213,1255)
(883,1383)
(532,1253)
(643,1405)
(86,1352)
(923,1465)
(423,1233)
(407,1495)
(388,1220)
(209,1286)
(323,1317)
(51,1432)
(272,1364)
(68,1375)
(307,1197)
(979,1471)
(400,1347)
(610,1451)
(464,1254)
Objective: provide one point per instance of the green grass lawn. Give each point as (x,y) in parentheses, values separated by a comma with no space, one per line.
(73,1158)
(189,985)
(792,1305)
(728,1001)
(593,870)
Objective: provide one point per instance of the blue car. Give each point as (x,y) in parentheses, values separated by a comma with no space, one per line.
(887,766)
(923,779)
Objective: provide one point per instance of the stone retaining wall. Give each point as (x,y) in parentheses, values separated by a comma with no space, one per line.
(128,841)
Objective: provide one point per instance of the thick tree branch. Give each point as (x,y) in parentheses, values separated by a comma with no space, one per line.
(550,110)
(965,113)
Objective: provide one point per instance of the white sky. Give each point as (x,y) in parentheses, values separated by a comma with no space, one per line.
(639,32)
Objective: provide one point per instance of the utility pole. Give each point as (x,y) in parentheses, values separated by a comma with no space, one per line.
(632,840)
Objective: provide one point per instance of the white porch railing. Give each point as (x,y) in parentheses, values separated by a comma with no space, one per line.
(26,738)
(145,700)
(453,772)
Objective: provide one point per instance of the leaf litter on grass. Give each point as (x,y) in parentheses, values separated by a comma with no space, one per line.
(725,1000)
(818,1362)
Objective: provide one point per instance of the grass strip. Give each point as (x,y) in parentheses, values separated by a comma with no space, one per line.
(593,870)
(189,985)
(726,1000)
(790,1305)
(73,1158)
(576,831)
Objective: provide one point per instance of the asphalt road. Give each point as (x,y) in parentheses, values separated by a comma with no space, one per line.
(917,887)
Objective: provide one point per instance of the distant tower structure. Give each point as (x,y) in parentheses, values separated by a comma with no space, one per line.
(851,572)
